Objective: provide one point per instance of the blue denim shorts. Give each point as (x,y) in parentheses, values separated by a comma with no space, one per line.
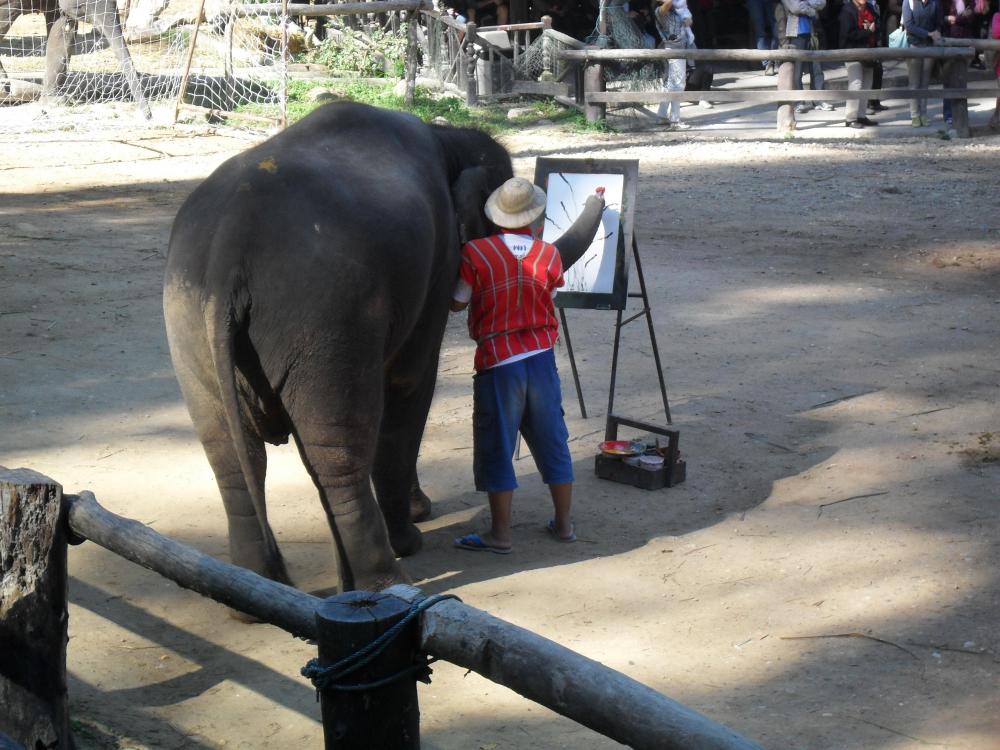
(522,396)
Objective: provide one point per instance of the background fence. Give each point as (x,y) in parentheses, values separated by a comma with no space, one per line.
(237,59)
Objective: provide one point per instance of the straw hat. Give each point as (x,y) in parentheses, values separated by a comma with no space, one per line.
(516,203)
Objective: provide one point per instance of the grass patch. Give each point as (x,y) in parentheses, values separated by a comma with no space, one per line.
(491,117)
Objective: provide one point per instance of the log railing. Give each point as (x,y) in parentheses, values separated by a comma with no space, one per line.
(954,53)
(37,521)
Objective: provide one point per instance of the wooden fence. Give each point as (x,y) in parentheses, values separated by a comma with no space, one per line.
(37,521)
(955,55)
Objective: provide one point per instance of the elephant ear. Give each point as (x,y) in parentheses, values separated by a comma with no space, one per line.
(469,192)
(575,241)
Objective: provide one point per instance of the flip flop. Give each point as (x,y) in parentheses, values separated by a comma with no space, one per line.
(474,543)
(551,528)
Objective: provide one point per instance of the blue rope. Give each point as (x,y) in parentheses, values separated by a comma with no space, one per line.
(330,676)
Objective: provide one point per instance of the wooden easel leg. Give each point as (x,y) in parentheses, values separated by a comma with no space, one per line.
(652,333)
(614,375)
(572,362)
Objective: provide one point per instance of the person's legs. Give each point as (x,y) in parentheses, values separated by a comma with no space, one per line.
(854,78)
(501,504)
(867,74)
(816,78)
(800,42)
(562,503)
(913,68)
(544,430)
(498,406)
(676,78)
(878,71)
(762,22)
(925,80)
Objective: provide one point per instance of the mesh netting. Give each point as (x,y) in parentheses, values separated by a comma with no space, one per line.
(139,60)
(624,32)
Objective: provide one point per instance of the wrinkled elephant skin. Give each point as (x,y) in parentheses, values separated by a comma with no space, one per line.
(306,294)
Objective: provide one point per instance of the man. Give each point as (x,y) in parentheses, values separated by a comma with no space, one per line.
(507,280)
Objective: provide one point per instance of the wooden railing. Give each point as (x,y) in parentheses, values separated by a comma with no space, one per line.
(954,53)
(37,521)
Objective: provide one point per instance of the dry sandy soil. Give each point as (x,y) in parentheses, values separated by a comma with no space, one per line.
(827,576)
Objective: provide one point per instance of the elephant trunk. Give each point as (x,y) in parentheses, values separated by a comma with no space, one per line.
(574,243)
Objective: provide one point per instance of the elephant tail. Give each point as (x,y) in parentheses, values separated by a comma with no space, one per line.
(224,317)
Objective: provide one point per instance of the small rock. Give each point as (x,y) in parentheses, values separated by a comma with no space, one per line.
(516,112)
(440,121)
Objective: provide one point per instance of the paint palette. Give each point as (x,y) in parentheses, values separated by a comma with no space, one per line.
(620,448)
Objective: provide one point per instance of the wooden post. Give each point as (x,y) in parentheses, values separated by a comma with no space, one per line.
(190,56)
(33,616)
(593,80)
(380,717)
(956,77)
(471,83)
(412,42)
(786,110)
(548,73)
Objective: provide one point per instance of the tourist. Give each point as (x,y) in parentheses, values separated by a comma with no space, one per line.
(673,24)
(858,29)
(923,29)
(798,28)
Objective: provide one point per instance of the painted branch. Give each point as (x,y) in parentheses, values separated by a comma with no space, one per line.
(33,616)
(566,682)
(341,9)
(241,589)
(778,55)
(791,95)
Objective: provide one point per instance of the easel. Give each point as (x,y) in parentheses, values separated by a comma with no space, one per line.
(619,324)
(674,469)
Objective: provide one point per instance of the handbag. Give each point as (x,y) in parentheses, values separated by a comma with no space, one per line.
(897,39)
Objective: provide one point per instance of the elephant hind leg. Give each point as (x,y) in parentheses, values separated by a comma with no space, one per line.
(335,424)
(251,542)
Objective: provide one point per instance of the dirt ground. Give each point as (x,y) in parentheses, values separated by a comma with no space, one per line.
(827,576)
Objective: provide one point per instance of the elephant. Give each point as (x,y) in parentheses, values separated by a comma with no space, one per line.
(306,294)
(61,18)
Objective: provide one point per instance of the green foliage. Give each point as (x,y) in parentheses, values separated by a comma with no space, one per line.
(372,54)
(428,106)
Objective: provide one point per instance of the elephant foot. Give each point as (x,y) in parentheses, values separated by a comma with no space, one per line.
(270,566)
(420,505)
(407,541)
(377,583)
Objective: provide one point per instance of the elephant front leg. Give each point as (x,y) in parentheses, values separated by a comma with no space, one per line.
(407,402)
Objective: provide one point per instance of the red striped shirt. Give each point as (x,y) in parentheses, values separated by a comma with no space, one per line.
(511,310)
